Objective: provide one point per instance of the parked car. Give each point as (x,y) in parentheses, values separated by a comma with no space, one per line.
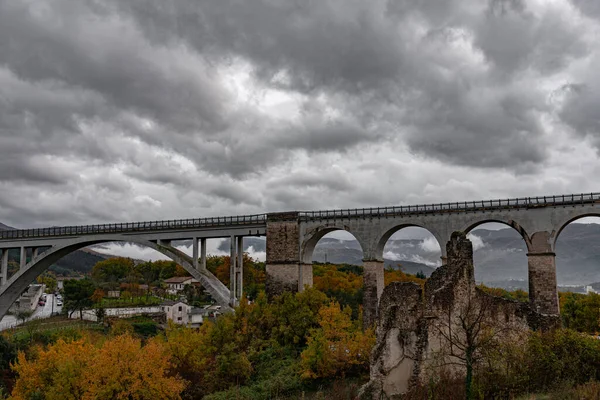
(59,302)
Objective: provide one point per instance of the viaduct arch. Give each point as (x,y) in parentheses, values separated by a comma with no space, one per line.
(291,237)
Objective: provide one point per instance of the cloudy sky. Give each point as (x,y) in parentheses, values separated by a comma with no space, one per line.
(123,110)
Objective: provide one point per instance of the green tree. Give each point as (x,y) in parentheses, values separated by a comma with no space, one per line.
(23,315)
(112,270)
(78,295)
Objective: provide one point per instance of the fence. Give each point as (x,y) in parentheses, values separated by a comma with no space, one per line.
(131,227)
(466,206)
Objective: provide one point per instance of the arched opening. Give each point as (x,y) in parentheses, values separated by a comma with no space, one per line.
(412,249)
(20,281)
(577,249)
(336,247)
(337,263)
(500,257)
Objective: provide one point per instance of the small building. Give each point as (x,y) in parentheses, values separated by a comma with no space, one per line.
(176,284)
(28,301)
(181,313)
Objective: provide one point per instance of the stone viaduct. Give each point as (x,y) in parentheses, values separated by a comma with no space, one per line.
(291,238)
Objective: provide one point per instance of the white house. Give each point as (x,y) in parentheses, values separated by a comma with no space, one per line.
(181,313)
(176,284)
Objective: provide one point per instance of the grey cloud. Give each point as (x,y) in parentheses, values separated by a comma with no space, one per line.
(104,93)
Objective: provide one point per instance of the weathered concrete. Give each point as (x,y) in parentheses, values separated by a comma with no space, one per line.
(418,336)
(372,289)
(21,280)
(4,268)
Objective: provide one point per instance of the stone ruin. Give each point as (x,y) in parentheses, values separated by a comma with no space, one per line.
(419,330)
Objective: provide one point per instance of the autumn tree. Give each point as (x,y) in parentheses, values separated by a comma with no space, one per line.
(49,280)
(119,369)
(338,346)
(123,368)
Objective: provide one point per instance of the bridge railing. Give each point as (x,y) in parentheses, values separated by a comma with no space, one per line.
(130,227)
(465,206)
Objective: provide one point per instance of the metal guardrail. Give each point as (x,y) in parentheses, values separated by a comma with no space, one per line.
(259,219)
(131,227)
(466,206)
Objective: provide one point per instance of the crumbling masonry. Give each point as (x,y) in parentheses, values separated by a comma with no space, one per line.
(417,331)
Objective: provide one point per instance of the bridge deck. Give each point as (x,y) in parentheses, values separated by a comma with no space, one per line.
(261,219)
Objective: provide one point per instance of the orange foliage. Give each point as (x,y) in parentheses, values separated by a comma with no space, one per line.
(337,281)
(120,369)
(338,346)
(397,275)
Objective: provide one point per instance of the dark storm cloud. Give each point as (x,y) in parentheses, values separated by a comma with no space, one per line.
(371,51)
(137,109)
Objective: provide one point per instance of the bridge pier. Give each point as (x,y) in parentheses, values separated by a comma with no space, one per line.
(23,257)
(195,252)
(232,270)
(203,254)
(541,262)
(4,267)
(373,284)
(239,269)
(285,270)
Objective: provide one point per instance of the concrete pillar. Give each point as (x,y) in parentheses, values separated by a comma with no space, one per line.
(203,253)
(4,267)
(305,277)
(239,272)
(23,258)
(372,289)
(164,242)
(232,270)
(195,252)
(283,253)
(35,252)
(541,262)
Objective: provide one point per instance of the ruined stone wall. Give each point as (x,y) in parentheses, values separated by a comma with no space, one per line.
(418,330)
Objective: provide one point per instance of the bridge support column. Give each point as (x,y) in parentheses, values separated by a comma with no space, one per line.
(543,291)
(239,270)
(232,271)
(285,271)
(372,289)
(203,253)
(4,267)
(195,252)
(23,258)
(305,276)
(35,252)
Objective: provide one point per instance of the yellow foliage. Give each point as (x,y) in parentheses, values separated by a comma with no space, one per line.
(120,369)
(397,275)
(123,369)
(338,346)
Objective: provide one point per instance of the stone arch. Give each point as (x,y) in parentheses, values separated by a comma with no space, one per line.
(388,234)
(510,223)
(563,224)
(307,247)
(10,292)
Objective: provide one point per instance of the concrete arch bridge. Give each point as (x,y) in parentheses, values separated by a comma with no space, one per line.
(291,238)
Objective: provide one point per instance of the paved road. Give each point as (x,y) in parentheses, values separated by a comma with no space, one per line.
(40,312)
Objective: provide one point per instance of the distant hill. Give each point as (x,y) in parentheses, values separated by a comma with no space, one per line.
(5,227)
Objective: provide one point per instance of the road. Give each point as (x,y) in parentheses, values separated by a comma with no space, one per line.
(40,312)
